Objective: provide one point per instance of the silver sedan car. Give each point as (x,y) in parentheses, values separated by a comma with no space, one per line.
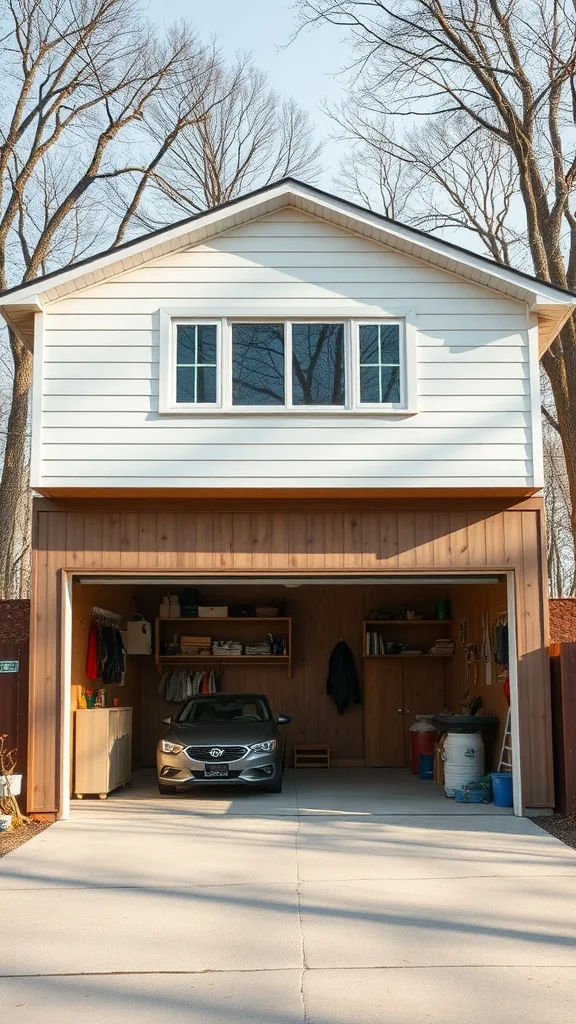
(223,738)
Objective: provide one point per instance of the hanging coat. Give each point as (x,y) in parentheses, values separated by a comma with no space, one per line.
(342,684)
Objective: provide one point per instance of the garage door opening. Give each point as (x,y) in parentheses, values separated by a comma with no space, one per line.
(420,645)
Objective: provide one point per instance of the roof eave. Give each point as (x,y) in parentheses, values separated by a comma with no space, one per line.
(19,317)
(291,192)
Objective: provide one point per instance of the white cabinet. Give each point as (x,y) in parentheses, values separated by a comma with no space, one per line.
(103,750)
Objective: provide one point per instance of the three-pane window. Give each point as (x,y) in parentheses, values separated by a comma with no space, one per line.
(289,364)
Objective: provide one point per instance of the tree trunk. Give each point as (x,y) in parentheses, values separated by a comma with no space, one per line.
(14,470)
(560,366)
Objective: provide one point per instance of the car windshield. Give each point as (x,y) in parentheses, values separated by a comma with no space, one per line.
(224,709)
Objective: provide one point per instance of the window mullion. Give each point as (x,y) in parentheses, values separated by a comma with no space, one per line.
(225,364)
(288,364)
(380,363)
(196,362)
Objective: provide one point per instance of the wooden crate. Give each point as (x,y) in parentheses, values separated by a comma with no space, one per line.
(314,756)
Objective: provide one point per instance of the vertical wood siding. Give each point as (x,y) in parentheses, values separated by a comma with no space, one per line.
(289,539)
(100,425)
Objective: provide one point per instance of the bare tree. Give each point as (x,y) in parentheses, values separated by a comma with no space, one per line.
(437,179)
(79,77)
(97,111)
(248,137)
(466,82)
(559,538)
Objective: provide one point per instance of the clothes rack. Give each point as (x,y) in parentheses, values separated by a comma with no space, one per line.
(102,617)
(106,654)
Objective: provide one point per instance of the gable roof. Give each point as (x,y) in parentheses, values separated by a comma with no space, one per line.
(552,305)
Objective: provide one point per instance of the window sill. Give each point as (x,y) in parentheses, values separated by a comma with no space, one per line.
(278,411)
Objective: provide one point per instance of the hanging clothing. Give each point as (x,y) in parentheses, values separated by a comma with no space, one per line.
(106,654)
(114,665)
(342,684)
(179,684)
(92,654)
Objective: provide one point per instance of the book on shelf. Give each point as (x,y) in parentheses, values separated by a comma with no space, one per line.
(374,643)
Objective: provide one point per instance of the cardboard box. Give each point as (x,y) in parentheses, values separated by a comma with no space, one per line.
(212,611)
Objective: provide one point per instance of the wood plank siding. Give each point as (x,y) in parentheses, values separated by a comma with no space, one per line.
(263,538)
(98,420)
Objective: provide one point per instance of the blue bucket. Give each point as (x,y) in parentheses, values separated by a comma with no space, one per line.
(426,766)
(502,789)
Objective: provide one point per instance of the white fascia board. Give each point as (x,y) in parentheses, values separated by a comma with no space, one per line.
(535,291)
(203,227)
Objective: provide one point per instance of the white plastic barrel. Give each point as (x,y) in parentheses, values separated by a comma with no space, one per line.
(463,757)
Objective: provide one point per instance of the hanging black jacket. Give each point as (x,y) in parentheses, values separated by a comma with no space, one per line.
(342,684)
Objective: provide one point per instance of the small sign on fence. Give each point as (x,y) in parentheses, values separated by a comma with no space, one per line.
(9,666)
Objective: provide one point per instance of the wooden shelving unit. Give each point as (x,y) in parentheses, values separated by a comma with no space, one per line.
(374,625)
(210,660)
(408,622)
(419,657)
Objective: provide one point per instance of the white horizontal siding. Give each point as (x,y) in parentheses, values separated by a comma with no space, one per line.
(328,437)
(303,452)
(188,470)
(371,426)
(100,421)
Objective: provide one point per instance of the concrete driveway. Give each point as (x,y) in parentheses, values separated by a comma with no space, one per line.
(328,904)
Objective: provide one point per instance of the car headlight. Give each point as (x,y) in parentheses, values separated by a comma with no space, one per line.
(265,747)
(171,748)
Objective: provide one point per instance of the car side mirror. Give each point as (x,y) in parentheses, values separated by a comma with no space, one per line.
(284,719)
(167,721)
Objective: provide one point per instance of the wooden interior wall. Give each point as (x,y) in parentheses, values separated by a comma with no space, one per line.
(113,599)
(320,614)
(470,602)
(290,537)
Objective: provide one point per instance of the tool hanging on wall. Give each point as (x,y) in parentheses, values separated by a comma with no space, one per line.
(471,659)
(485,647)
(501,655)
(464,632)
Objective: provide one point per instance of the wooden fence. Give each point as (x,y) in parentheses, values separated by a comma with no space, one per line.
(14,700)
(563,678)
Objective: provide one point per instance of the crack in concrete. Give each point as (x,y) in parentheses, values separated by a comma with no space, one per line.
(299,902)
(287,970)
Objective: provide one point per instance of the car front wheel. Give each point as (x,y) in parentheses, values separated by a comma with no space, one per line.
(166,790)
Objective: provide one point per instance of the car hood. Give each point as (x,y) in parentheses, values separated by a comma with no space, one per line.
(214,733)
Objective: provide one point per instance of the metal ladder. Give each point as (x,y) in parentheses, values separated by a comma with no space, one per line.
(505,763)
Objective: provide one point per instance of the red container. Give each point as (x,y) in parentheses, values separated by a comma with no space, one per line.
(421,743)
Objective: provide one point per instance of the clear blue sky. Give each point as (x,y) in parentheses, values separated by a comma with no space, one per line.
(305,70)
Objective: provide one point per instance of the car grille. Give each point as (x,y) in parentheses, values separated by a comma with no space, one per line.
(226,778)
(207,753)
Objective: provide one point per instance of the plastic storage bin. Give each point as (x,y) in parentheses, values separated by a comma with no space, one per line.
(463,756)
(422,741)
(502,789)
(426,766)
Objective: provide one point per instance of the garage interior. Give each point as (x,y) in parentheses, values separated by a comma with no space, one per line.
(314,615)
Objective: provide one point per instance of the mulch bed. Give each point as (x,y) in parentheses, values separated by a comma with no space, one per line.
(563,826)
(12,840)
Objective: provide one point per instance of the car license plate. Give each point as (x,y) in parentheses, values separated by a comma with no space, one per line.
(216,771)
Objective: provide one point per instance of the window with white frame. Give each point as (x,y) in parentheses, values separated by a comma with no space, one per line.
(294,365)
(379,363)
(196,364)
